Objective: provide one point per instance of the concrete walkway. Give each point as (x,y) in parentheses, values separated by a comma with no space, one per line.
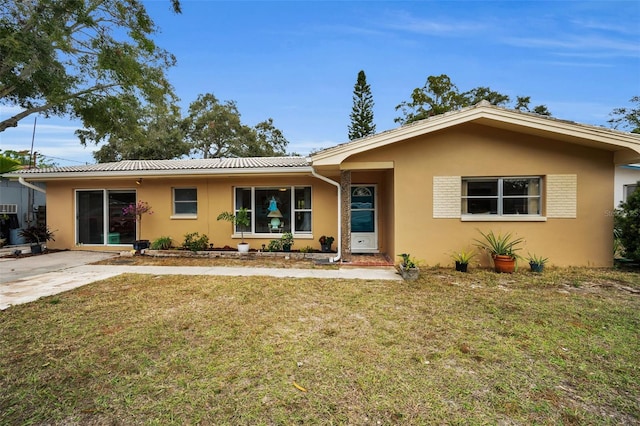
(27,279)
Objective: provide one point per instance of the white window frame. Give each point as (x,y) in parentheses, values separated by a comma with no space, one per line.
(500,197)
(106,215)
(627,190)
(174,201)
(251,233)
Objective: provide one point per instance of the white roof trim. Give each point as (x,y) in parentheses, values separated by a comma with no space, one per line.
(484,112)
(159,173)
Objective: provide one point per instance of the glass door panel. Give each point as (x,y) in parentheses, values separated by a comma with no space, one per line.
(90,217)
(122,229)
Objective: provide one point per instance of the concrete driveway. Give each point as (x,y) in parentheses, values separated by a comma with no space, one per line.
(27,279)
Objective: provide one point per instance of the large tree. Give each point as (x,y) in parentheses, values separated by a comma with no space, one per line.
(362,111)
(627,118)
(158,136)
(94,60)
(440,95)
(214,130)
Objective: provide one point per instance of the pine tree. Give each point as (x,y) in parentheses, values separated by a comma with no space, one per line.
(362,111)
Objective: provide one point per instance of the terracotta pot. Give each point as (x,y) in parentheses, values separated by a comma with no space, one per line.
(504,264)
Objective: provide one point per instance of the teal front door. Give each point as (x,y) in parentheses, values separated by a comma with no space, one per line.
(364,214)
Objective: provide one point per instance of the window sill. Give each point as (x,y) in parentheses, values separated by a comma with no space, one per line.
(495,218)
(183,216)
(274,236)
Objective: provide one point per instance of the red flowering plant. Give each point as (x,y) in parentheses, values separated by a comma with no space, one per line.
(137,210)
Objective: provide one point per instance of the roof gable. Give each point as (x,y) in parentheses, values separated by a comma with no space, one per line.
(625,145)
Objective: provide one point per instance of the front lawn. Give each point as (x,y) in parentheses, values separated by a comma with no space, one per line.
(450,348)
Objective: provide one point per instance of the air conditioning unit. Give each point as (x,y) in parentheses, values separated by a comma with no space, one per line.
(8,208)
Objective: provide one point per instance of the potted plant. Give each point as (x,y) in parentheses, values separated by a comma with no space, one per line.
(325,243)
(241,219)
(408,267)
(536,262)
(502,249)
(36,235)
(462,259)
(137,210)
(287,241)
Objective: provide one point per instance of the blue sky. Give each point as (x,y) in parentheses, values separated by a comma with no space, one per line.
(297,61)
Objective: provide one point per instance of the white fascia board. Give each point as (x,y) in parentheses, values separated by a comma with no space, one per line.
(161,173)
(609,138)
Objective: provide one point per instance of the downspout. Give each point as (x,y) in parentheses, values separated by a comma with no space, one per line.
(337,185)
(30,185)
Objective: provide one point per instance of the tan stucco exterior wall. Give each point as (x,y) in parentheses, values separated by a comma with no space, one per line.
(215,195)
(475,150)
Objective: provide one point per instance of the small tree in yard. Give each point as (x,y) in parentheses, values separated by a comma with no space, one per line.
(362,110)
(628,226)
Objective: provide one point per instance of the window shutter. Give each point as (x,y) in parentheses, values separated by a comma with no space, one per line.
(447,192)
(562,196)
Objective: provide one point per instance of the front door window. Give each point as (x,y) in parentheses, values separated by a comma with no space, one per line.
(363,209)
(364,232)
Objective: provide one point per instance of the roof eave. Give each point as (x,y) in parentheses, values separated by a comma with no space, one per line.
(488,114)
(159,173)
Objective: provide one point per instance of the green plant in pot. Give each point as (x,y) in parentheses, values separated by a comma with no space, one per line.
(287,241)
(325,243)
(502,248)
(36,236)
(462,259)
(408,267)
(241,220)
(536,263)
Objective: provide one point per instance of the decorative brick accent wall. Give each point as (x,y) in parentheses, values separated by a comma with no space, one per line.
(447,192)
(345,187)
(562,196)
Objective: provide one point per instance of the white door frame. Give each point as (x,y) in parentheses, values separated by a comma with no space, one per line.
(366,242)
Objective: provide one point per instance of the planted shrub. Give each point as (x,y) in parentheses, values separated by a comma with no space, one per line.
(162,243)
(275,245)
(627,224)
(195,242)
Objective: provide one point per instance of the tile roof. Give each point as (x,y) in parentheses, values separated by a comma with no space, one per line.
(178,165)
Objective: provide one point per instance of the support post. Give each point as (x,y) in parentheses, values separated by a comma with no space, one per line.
(345,205)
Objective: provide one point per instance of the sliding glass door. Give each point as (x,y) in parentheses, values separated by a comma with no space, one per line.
(99,218)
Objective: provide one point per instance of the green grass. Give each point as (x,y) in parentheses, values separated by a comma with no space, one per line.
(480,348)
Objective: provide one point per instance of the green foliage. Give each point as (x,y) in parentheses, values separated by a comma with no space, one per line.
(503,245)
(463,256)
(8,164)
(627,118)
(326,240)
(627,224)
(535,259)
(275,245)
(408,262)
(195,242)
(362,111)
(95,61)
(214,129)
(440,95)
(306,249)
(23,158)
(162,243)
(240,219)
(37,234)
(287,239)
(159,136)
